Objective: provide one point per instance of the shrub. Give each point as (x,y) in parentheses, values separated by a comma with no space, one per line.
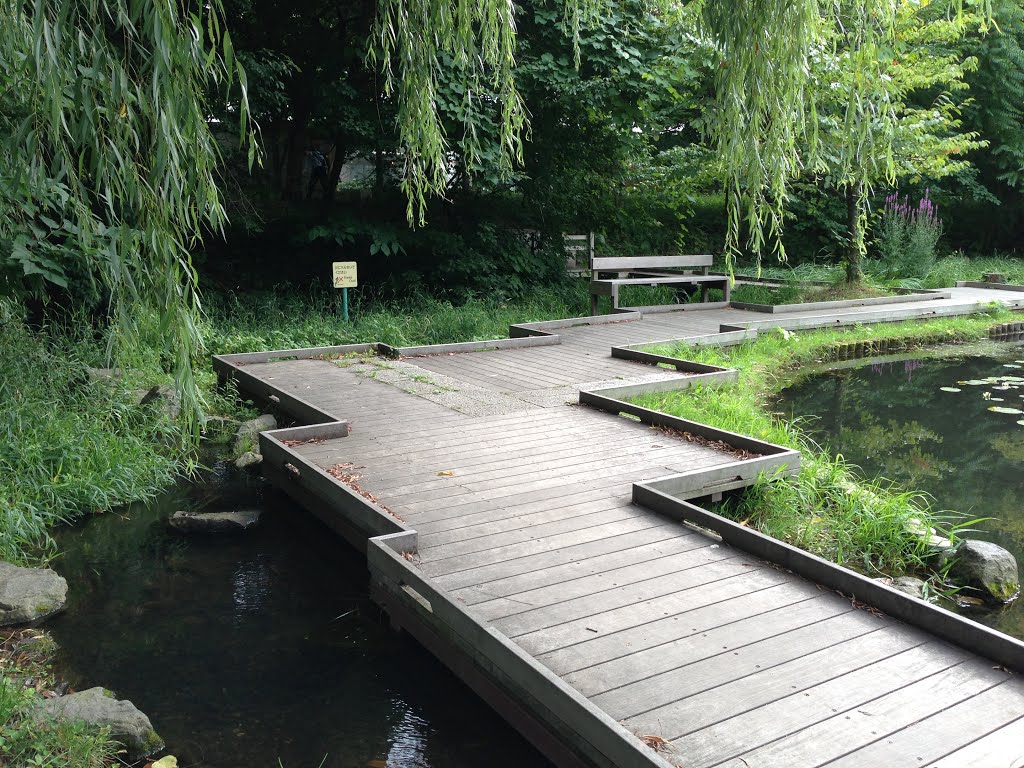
(906,238)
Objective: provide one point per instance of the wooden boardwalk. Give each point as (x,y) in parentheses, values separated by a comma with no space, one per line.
(635,625)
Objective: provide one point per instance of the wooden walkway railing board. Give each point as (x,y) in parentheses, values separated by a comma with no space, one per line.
(526,527)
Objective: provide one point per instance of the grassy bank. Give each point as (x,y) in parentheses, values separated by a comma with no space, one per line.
(25,675)
(827,508)
(72,444)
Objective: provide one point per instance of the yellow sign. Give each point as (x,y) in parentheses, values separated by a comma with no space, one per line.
(344,273)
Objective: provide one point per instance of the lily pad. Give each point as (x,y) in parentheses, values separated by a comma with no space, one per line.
(1004,409)
(1010,365)
(953,389)
(995,399)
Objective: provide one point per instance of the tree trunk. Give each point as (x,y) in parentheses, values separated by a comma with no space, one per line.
(335,173)
(295,162)
(854,268)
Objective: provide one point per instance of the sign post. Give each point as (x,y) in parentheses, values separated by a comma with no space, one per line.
(344,277)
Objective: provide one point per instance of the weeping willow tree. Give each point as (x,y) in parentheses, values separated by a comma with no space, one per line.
(108,163)
(766,122)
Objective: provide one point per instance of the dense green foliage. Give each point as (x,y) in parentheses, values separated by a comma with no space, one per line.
(108,164)
(291,318)
(827,508)
(73,445)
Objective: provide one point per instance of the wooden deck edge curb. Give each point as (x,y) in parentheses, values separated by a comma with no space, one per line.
(681,365)
(990,286)
(306,353)
(597,399)
(861,318)
(776,309)
(539,340)
(946,625)
(656,309)
(293,405)
(343,509)
(565,712)
(519,330)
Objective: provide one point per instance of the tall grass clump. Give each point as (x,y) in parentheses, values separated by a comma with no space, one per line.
(827,508)
(71,445)
(947,271)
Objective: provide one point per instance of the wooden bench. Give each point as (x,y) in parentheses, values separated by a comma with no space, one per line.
(650,270)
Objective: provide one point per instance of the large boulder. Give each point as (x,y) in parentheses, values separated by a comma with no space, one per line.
(247,438)
(29,594)
(99,707)
(214,522)
(986,567)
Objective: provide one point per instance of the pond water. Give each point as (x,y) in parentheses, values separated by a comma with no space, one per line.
(934,425)
(263,647)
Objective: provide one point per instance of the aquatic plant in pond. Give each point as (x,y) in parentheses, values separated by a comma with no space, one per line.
(999,389)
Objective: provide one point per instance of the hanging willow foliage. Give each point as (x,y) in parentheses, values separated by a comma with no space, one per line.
(765,122)
(413,41)
(108,164)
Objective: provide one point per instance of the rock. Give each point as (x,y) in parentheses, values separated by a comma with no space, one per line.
(214,522)
(909,585)
(986,567)
(248,459)
(29,594)
(931,538)
(99,707)
(164,395)
(247,438)
(103,374)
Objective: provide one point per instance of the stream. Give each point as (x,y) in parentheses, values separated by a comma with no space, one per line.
(262,648)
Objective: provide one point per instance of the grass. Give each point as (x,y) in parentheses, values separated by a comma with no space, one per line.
(945,273)
(25,742)
(828,508)
(71,445)
(290,318)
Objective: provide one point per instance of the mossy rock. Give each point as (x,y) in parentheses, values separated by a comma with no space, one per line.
(28,595)
(101,708)
(988,568)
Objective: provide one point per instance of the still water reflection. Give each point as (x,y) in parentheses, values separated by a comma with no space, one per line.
(246,650)
(929,425)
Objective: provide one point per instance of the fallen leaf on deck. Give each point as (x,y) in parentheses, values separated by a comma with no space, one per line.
(655,742)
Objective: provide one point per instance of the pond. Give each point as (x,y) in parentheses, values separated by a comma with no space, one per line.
(261,647)
(950,425)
